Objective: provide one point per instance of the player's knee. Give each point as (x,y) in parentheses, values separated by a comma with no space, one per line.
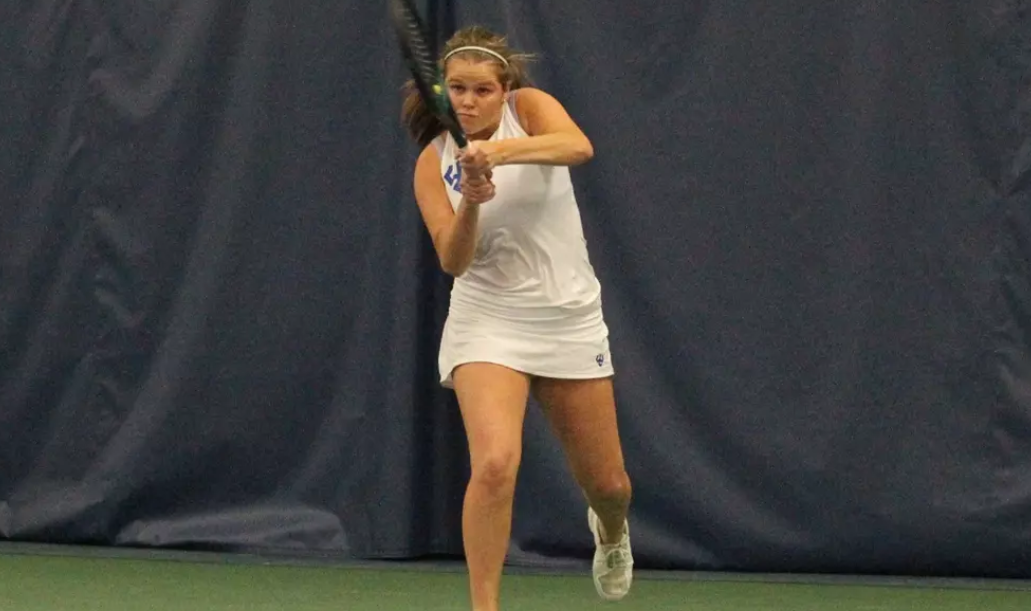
(496,473)
(613,488)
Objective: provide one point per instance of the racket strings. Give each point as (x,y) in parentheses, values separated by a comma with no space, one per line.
(420,51)
(423,65)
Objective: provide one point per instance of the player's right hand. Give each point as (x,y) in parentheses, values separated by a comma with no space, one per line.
(478,190)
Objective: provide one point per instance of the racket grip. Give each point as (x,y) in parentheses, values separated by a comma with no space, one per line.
(488,174)
(474,174)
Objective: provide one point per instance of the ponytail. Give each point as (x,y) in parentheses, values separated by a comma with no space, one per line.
(422,124)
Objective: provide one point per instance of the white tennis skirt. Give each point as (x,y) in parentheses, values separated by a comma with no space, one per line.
(572,345)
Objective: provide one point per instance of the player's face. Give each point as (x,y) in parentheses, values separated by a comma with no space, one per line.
(477,95)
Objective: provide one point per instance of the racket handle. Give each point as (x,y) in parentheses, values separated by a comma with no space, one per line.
(461,148)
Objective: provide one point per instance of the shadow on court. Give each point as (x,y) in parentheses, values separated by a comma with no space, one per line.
(49,578)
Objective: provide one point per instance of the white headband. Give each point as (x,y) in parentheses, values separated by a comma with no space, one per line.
(480,49)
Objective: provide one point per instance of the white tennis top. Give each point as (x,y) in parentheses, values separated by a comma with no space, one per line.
(531,261)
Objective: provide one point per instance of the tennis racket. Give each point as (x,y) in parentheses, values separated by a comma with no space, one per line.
(422,62)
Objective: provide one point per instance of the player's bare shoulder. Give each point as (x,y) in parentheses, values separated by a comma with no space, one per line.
(427,165)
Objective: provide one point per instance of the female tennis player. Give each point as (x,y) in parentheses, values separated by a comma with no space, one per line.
(526,312)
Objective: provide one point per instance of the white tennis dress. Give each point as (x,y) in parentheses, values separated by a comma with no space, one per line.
(530,300)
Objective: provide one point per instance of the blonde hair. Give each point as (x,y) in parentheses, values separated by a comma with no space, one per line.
(422,125)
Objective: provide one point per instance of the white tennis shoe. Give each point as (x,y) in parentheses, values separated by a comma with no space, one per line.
(613,562)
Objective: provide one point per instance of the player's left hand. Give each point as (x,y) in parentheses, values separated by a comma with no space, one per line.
(477,158)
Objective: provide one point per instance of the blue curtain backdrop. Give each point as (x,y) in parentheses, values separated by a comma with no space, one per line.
(219,310)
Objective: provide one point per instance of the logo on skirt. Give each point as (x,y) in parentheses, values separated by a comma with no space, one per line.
(600,359)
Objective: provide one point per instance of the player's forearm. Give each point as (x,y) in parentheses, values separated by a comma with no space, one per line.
(548,149)
(460,240)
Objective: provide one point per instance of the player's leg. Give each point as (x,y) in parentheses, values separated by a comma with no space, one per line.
(583,416)
(492,399)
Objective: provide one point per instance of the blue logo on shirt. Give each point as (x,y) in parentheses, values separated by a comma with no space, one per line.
(453,176)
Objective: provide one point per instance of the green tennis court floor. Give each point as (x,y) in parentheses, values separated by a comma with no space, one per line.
(60,579)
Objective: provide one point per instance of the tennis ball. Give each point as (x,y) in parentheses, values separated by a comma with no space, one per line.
(436,89)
